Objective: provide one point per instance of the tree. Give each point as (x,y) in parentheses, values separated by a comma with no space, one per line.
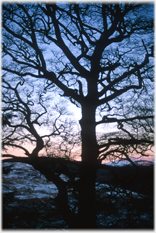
(26,121)
(101,57)
(25,114)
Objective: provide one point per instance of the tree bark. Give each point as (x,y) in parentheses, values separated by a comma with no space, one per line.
(87,208)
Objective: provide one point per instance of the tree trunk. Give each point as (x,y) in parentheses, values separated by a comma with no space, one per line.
(87,209)
(62,197)
(39,146)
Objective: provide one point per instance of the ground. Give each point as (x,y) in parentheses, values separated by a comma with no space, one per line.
(112,212)
(29,202)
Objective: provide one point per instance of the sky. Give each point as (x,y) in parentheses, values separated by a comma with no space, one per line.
(100,129)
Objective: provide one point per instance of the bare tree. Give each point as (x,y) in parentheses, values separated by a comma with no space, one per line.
(101,57)
(26,119)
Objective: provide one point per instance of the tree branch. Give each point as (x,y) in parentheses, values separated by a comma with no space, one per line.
(110,120)
(61,44)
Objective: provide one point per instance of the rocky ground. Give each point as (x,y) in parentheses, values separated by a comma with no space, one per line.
(28,203)
(31,214)
(113,213)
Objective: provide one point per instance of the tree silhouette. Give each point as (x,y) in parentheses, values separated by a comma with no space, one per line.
(25,113)
(101,57)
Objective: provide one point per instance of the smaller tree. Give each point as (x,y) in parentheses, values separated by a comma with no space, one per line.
(26,120)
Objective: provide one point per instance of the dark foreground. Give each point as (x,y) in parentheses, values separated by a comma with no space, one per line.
(128,213)
(117,206)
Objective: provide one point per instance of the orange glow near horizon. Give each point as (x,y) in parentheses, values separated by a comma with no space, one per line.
(75,155)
